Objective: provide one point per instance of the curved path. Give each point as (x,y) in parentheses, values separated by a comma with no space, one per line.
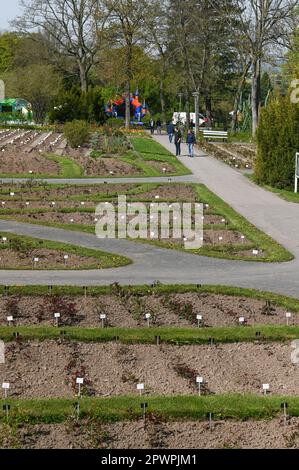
(278,218)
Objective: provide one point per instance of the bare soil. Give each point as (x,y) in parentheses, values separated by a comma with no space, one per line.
(47,259)
(15,161)
(49,369)
(129,312)
(262,434)
(176,192)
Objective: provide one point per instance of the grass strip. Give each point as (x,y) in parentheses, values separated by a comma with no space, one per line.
(171,408)
(168,335)
(289,303)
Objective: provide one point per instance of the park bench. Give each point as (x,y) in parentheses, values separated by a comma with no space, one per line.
(214,135)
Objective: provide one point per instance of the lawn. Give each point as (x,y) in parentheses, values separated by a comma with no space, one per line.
(168,335)
(124,408)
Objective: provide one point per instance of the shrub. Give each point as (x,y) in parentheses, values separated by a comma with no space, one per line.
(76,133)
(278,142)
(73,104)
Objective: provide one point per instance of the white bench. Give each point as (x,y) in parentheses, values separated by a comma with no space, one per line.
(214,135)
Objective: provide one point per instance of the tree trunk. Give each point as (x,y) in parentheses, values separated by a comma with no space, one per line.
(188,111)
(208,104)
(238,96)
(128,104)
(162,101)
(256,95)
(83,77)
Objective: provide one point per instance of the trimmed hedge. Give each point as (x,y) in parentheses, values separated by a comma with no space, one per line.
(278,142)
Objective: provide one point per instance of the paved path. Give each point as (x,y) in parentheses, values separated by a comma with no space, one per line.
(151,263)
(266,210)
(276,217)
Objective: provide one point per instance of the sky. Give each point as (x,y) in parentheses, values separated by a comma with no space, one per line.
(9,9)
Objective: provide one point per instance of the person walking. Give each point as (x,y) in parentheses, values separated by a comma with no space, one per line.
(159,127)
(178,141)
(191,141)
(152,126)
(170,131)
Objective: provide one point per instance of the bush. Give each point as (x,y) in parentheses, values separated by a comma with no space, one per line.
(76,133)
(115,123)
(278,142)
(73,104)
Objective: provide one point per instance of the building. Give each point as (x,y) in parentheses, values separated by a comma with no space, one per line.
(15,105)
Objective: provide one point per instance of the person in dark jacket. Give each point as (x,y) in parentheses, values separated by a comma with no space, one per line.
(159,127)
(191,141)
(170,131)
(178,141)
(152,126)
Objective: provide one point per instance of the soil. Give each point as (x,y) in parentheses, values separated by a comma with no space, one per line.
(49,369)
(86,218)
(262,434)
(231,154)
(46,193)
(128,312)
(15,162)
(47,259)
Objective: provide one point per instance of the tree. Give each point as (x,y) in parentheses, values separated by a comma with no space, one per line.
(38,84)
(72,27)
(264,24)
(8,44)
(126,25)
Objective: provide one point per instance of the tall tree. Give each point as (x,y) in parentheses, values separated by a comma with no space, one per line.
(73,27)
(264,24)
(126,27)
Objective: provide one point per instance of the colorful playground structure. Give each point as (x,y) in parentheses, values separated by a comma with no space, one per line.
(117,108)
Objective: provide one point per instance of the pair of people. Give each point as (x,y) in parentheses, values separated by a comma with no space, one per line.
(157,124)
(191,141)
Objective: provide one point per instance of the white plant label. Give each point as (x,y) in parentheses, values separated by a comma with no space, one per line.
(140,386)
(199,380)
(79,381)
(57,315)
(5,385)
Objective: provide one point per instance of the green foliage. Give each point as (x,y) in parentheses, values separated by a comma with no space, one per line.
(115,123)
(76,133)
(8,44)
(278,142)
(73,104)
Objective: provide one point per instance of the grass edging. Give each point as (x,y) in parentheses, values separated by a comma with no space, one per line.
(169,335)
(125,408)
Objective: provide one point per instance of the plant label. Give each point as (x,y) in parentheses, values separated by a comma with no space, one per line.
(103,316)
(241,320)
(5,385)
(288,315)
(140,386)
(57,315)
(199,380)
(10,318)
(147,316)
(79,380)
(266,387)
(199,317)
(255,252)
